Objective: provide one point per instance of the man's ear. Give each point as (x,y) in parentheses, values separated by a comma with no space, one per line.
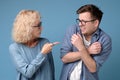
(96,23)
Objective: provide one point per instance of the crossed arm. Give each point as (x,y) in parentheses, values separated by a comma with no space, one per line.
(83,53)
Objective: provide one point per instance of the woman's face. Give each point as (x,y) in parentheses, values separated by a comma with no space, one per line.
(37,28)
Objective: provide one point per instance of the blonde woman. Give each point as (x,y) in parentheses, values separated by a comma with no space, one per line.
(31,54)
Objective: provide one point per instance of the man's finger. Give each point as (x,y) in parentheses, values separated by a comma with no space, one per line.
(79,35)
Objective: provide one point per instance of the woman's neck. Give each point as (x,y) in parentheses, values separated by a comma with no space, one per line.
(32,43)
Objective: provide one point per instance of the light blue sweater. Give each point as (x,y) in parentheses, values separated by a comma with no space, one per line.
(30,63)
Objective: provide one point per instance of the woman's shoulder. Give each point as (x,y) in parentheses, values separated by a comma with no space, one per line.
(14,46)
(43,40)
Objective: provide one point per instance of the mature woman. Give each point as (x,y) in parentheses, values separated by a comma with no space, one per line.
(31,54)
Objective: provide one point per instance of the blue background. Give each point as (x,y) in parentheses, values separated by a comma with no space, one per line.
(57,16)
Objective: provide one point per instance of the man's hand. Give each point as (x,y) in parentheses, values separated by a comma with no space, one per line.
(95,48)
(77,41)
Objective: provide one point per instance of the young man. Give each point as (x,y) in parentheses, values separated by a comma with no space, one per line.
(85,47)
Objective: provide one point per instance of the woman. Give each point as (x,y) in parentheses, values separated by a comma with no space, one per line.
(31,54)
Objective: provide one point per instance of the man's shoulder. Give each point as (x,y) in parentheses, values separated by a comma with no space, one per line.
(104,35)
(73,28)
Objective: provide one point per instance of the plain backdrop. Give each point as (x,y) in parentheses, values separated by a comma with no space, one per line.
(57,16)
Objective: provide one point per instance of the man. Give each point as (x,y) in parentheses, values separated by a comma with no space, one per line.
(85,47)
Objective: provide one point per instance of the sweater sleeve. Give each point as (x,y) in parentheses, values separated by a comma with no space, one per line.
(26,69)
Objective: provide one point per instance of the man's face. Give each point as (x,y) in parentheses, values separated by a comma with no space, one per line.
(87,24)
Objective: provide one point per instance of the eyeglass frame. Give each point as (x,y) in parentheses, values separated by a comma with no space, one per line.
(83,22)
(39,25)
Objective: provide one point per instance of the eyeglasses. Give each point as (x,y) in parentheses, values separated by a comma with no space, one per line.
(39,25)
(83,22)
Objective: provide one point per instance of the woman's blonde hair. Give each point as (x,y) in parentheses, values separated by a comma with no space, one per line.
(22,27)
